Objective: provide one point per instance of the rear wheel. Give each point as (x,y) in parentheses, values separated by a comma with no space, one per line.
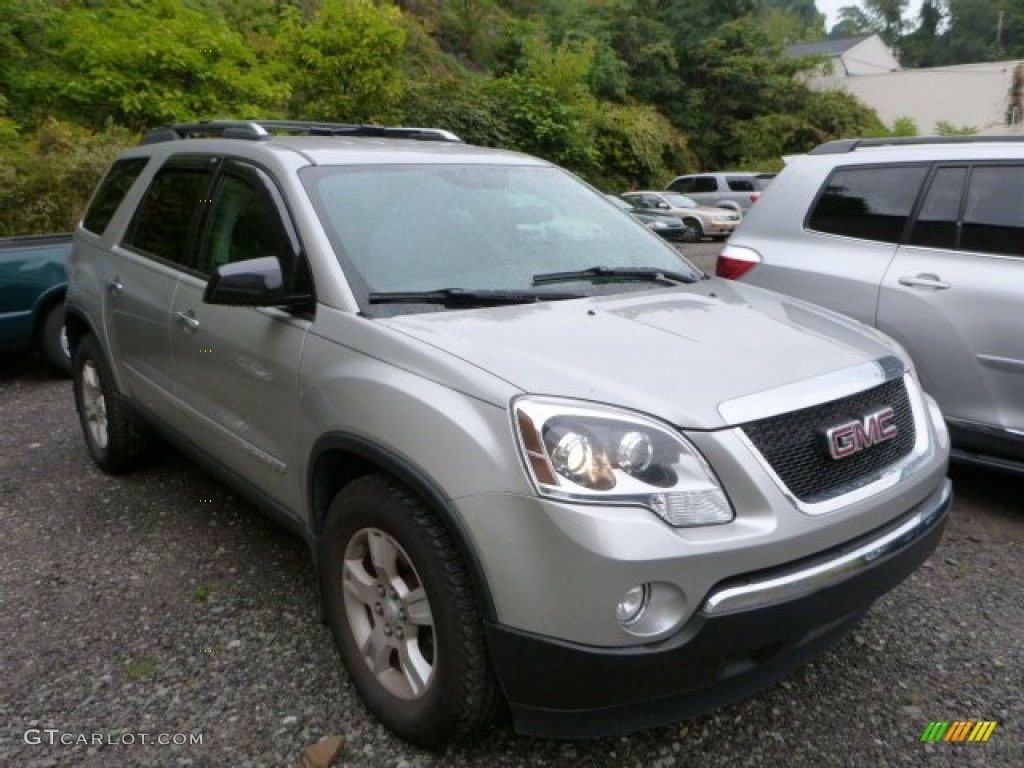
(401,607)
(694,231)
(53,339)
(116,439)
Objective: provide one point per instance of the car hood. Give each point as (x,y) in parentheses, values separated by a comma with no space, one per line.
(675,353)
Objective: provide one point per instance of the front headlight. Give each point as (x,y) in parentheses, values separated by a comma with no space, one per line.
(658,225)
(593,453)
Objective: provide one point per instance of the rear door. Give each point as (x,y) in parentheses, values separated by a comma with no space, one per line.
(856,221)
(237,367)
(954,294)
(143,276)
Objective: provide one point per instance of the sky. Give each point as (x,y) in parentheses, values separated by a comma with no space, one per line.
(831,9)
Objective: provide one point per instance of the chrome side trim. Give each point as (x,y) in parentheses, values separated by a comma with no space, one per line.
(1001,363)
(798,583)
(888,477)
(811,392)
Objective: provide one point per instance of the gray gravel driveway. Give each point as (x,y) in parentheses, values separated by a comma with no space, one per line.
(158,603)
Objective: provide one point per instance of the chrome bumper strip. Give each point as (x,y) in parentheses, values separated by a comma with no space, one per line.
(778,589)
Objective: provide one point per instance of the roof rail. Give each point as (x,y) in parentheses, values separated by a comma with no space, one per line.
(842,146)
(259,130)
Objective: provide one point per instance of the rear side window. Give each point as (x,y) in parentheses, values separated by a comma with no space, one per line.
(994,212)
(111,192)
(741,185)
(167,216)
(868,203)
(936,225)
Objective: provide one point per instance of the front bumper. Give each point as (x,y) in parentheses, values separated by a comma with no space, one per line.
(748,634)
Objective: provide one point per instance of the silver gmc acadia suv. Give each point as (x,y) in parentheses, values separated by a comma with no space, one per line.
(538,457)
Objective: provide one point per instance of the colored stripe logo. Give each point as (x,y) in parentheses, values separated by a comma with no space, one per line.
(959,730)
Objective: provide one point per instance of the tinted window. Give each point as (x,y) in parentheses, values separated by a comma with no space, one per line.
(246,222)
(682,185)
(868,203)
(111,192)
(994,211)
(704,184)
(167,215)
(936,224)
(741,185)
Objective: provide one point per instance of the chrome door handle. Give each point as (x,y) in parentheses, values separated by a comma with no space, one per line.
(115,285)
(187,321)
(924,281)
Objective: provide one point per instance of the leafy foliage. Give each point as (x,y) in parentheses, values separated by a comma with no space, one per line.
(623,92)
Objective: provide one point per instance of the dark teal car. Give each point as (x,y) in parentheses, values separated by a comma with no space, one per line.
(33,282)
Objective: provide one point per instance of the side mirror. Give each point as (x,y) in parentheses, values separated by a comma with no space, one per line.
(664,206)
(251,283)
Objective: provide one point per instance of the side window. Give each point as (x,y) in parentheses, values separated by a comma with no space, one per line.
(166,217)
(868,203)
(740,185)
(111,192)
(994,211)
(936,224)
(682,185)
(704,184)
(246,222)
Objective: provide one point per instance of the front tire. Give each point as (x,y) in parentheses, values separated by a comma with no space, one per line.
(402,610)
(694,231)
(116,439)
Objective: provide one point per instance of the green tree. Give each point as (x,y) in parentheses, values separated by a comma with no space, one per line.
(138,65)
(345,62)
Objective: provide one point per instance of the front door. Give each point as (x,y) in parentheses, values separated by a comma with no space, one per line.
(237,367)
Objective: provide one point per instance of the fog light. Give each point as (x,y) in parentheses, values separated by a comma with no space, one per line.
(633,605)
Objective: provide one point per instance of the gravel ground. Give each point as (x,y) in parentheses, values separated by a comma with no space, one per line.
(158,603)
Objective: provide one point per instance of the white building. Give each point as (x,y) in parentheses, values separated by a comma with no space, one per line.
(987,97)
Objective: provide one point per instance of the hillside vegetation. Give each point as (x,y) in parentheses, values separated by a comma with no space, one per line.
(623,92)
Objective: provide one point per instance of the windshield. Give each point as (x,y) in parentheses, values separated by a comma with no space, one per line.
(477,228)
(680,201)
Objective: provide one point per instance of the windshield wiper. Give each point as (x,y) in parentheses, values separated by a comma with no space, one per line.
(651,274)
(461,297)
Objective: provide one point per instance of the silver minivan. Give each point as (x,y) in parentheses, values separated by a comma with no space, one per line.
(923,239)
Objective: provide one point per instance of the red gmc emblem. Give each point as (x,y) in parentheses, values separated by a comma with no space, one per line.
(855,436)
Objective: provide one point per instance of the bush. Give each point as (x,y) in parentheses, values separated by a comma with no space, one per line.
(46,184)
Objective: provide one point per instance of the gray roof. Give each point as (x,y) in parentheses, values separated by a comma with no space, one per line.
(826,47)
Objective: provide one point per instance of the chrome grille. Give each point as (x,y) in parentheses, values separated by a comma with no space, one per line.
(794,444)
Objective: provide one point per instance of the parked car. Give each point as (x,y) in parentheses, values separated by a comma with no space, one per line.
(923,239)
(536,455)
(664,225)
(716,223)
(737,190)
(32,287)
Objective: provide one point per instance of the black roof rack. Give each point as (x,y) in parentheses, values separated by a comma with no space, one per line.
(842,146)
(260,130)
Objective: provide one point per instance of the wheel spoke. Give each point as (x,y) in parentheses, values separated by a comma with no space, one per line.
(415,669)
(418,608)
(358,583)
(384,556)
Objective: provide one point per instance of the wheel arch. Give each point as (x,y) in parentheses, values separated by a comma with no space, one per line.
(44,303)
(78,326)
(338,458)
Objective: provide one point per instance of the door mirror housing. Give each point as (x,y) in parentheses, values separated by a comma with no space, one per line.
(251,283)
